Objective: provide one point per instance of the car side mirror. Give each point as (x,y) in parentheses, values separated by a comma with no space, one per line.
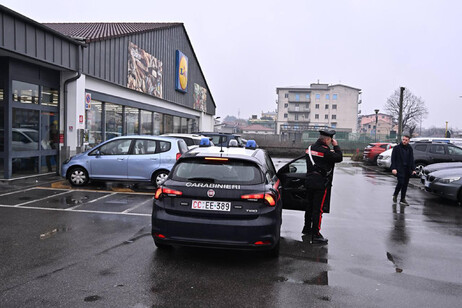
(98,152)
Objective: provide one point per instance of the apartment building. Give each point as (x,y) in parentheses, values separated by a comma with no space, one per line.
(317,106)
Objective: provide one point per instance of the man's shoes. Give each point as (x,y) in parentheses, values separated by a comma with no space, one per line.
(318,239)
(395,198)
(403,202)
(306,230)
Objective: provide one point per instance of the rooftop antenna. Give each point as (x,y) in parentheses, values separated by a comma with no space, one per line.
(221,144)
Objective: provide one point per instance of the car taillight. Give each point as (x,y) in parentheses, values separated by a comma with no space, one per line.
(262,243)
(269,198)
(167,191)
(178,155)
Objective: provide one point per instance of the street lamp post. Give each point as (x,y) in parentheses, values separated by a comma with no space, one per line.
(376,121)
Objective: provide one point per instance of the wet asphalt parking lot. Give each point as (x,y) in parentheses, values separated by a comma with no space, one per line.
(62,247)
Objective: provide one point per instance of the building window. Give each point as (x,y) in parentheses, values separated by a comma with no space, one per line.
(286,105)
(316,116)
(158,123)
(334,96)
(296,117)
(49,97)
(285,115)
(26,93)
(334,106)
(327,96)
(297,97)
(113,121)
(326,106)
(93,123)
(326,116)
(334,117)
(146,122)
(316,106)
(318,96)
(131,121)
(307,96)
(176,124)
(286,95)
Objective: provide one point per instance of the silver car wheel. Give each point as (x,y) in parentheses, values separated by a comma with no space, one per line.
(161,177)
(78,177)
(419,170)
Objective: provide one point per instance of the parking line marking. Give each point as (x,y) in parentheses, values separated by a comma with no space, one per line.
(94,200)
(16,191)
(21,204)
(99,191)
(136,206)
(78,211)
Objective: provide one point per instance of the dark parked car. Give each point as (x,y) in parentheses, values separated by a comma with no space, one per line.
(220,198)
(446,183)
(438,166)
(426,153)
(128,158)
(224,139)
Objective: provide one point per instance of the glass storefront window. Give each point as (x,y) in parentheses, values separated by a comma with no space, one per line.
(168,123)
(158,123)
(25,130)
(184,126)
(25,166)
(131,121)
(49,97)
(192,127)
(2,128)
(146,122)
(176,124)
(93,123)
(113,121)
(48,163)
(24,92)
(50,131)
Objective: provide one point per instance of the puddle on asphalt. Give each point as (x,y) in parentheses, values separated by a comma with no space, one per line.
(319,280)
(53,232)
(72,200)
(92,298)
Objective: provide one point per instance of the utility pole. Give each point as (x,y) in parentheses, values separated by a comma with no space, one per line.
(400,117)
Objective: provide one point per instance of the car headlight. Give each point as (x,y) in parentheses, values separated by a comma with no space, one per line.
(449,180)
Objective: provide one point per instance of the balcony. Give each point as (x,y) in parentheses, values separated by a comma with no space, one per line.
(300,120)
(298,109)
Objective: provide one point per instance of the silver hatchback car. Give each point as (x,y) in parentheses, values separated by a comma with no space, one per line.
(128,158)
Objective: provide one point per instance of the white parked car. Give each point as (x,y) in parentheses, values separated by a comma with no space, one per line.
(384,159)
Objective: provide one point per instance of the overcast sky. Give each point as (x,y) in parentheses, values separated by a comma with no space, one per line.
(248,48)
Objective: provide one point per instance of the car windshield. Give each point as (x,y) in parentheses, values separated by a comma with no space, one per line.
(218,171)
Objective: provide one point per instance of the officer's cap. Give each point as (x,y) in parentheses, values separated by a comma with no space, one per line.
(327,132)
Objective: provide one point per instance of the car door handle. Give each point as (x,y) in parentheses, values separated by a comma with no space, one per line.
(152,158)
(295,180)
(120,159)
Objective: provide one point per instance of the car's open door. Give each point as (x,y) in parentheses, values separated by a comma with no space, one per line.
(292,176)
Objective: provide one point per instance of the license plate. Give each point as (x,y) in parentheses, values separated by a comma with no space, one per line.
(211,205)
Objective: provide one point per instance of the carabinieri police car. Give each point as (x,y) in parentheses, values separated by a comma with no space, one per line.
(222,198)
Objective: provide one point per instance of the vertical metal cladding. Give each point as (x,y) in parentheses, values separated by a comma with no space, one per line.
(108,60)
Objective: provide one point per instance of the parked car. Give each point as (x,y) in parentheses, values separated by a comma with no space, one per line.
(220,198)
(446,183)
(192,140)
(128,158)
(372,151)
(384,159)
(438,166)
(426,153)
(223,139)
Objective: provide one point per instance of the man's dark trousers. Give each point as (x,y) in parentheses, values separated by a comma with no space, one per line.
(403,181)
(313,214)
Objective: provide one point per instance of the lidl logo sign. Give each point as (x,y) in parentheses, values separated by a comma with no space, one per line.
(181,83)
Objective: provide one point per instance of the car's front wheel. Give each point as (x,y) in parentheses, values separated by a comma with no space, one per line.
(159,177)
(78,176)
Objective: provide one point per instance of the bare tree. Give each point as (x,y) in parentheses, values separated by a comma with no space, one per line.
(414,109)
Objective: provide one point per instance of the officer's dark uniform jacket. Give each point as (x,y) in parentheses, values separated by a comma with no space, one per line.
(319,176)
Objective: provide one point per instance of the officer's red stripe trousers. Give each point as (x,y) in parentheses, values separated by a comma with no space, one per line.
(320,210)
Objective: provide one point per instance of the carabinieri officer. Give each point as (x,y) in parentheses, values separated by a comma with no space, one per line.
(320,161)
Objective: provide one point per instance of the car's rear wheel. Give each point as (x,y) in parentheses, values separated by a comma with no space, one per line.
(274,252)
(159,177)
(419,166)
(161,245)
(78,176)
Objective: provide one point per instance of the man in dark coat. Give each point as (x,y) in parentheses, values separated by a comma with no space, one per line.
(403,166)
(320,160)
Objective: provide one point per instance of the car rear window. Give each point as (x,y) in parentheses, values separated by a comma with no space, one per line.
(165,146)
(218,171)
